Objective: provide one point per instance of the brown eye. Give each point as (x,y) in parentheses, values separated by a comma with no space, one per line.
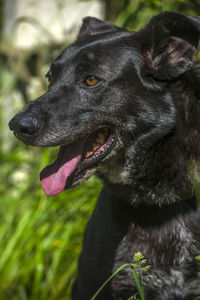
(49,77)
(49,80)
(91,80)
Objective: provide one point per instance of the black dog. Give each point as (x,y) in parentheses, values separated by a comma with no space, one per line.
(127,106)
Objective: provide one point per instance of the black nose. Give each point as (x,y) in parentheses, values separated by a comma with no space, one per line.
(24,125)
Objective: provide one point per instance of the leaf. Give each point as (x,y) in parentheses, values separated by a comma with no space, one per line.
(146,268)
(138,256)
(134,297)
(143,261)
(134,266)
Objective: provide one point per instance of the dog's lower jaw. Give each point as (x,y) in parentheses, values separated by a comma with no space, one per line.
(77,179)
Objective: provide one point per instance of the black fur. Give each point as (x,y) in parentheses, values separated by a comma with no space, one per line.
(148,95)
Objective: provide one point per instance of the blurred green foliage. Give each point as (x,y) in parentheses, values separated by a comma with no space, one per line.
(41,237)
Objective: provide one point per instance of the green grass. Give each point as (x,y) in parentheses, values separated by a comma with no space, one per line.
(40,236)
(137,269)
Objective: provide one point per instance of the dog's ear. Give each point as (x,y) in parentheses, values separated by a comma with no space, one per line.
(167,44)
(92,26)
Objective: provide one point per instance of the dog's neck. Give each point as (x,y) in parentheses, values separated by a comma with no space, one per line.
(146,215)
(165,172)
(161,175)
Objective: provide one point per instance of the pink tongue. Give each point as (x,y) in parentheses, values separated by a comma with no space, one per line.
(53,178)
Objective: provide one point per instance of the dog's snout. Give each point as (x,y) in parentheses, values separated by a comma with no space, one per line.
(24,125)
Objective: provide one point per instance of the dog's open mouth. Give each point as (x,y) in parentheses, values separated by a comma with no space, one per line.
(74,159)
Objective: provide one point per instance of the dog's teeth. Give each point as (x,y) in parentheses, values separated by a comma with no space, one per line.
(98,143)
(88,154)
(94,146)
(100,139)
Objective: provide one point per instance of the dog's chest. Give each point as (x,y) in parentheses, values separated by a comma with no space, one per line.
(161,247)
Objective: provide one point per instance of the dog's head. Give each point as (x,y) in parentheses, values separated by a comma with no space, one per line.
(107,94)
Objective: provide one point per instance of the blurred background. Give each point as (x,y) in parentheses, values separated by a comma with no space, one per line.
(40,237)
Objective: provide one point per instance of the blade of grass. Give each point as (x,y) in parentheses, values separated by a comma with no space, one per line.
(104,284)
(140,290)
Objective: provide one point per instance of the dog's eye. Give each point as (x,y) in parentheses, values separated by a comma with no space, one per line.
(91,80)
(49,79)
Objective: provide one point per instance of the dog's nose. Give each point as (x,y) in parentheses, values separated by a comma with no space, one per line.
(24,126)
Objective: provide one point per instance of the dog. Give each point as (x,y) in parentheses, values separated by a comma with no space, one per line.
(126,106)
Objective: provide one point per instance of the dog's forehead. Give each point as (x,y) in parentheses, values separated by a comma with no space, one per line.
(96,47)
